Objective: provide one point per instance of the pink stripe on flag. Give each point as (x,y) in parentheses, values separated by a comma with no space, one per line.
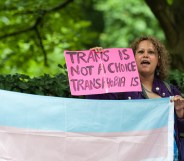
(35,145)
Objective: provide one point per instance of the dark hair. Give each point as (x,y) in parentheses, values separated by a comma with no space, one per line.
(163,55)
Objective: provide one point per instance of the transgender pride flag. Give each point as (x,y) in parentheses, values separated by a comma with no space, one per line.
(44,128)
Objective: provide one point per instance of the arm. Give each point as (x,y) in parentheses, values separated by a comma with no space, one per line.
(180,124)
(178,102)
(179,109)
(179,106)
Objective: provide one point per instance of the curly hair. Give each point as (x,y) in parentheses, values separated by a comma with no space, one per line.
(163,55)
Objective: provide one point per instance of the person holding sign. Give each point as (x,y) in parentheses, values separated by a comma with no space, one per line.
(152,62)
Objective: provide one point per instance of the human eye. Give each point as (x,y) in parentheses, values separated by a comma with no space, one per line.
(151,52)
(140,51)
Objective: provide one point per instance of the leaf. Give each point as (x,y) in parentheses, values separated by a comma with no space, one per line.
(170,2)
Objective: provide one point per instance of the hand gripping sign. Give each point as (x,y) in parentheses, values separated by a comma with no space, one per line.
(109,71)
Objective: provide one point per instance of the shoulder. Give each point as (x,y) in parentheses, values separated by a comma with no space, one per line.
(173,90)
(164,88)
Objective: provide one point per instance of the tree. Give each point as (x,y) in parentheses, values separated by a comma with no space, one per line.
(125,20)
(35,33)
(170,15)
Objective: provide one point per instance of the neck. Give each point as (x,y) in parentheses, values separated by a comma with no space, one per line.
(147,81)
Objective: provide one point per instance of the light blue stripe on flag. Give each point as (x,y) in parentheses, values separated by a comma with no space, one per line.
(80,115)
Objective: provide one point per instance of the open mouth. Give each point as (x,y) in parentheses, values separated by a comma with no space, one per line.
(146,62)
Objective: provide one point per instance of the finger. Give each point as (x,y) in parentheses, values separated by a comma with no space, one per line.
(97,49)
(177,97)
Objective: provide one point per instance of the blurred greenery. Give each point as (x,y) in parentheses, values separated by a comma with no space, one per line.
(176,77)
(46,85)
(35,33)
(125,20)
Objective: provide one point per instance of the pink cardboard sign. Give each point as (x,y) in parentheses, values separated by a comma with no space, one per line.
(113,70)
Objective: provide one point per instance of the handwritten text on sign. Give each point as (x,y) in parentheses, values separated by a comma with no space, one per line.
(113,70)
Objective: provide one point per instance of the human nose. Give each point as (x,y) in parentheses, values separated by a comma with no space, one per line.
(145,54)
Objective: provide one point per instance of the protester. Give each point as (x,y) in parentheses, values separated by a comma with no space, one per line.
(152,62)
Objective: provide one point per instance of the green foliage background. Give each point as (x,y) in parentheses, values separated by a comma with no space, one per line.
(77,26)
(35,33)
